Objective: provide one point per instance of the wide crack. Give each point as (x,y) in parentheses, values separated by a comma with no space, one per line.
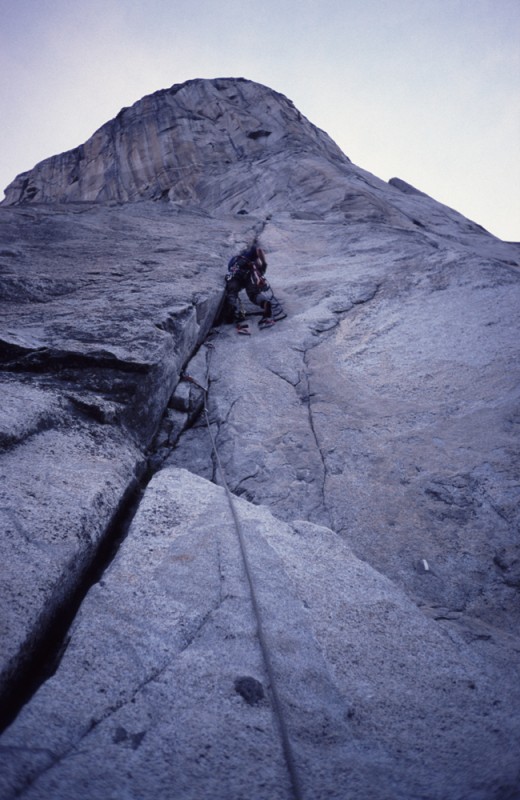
(43,655)
(47,653)
(154,675)
(48,649)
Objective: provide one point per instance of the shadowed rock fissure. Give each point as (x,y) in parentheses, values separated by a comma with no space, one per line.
(391,414)
(48,649)
(120,733)
(308,400)
(51,645)
(48,646)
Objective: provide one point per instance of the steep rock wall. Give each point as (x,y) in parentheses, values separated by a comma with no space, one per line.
(101,310)
(371,439)
(178,143)
(379,701)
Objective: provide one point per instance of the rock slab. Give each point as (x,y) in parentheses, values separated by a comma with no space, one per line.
(379,700)
(371,441)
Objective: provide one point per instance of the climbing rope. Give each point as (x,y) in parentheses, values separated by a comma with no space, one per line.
(277,705)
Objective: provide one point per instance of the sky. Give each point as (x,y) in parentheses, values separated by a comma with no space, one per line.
(424,90)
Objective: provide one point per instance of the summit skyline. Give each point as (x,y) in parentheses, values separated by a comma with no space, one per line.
(427,92)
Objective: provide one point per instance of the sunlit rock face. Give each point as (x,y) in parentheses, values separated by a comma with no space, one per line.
(370,441)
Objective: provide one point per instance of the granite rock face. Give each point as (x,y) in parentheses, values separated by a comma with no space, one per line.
(370,441)
(100,311)
(180,144)
(163,638)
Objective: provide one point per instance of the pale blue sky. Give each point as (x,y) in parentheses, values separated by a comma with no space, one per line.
(425,90)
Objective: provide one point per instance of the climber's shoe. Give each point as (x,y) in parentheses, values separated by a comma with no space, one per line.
(266,322)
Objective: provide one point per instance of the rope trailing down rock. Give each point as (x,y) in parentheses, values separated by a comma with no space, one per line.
(264,647)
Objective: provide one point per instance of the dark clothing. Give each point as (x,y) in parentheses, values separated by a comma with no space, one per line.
(246,271)
(253,291)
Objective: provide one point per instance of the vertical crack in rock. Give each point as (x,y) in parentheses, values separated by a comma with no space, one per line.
(50,642)
(221,575)
(191,631)
(222,424)
(94,723)
(307,398)
(56,640)
(397,429)
(190,628)
(49,649)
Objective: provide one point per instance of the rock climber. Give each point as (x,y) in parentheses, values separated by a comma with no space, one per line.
(246,271)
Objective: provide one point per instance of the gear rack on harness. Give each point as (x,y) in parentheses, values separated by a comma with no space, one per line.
(246,271)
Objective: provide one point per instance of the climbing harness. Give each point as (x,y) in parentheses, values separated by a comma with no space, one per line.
(242,266)
(277,705)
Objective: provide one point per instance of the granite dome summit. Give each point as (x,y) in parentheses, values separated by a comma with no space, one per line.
(226,146)
(182,144)
(369,440)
